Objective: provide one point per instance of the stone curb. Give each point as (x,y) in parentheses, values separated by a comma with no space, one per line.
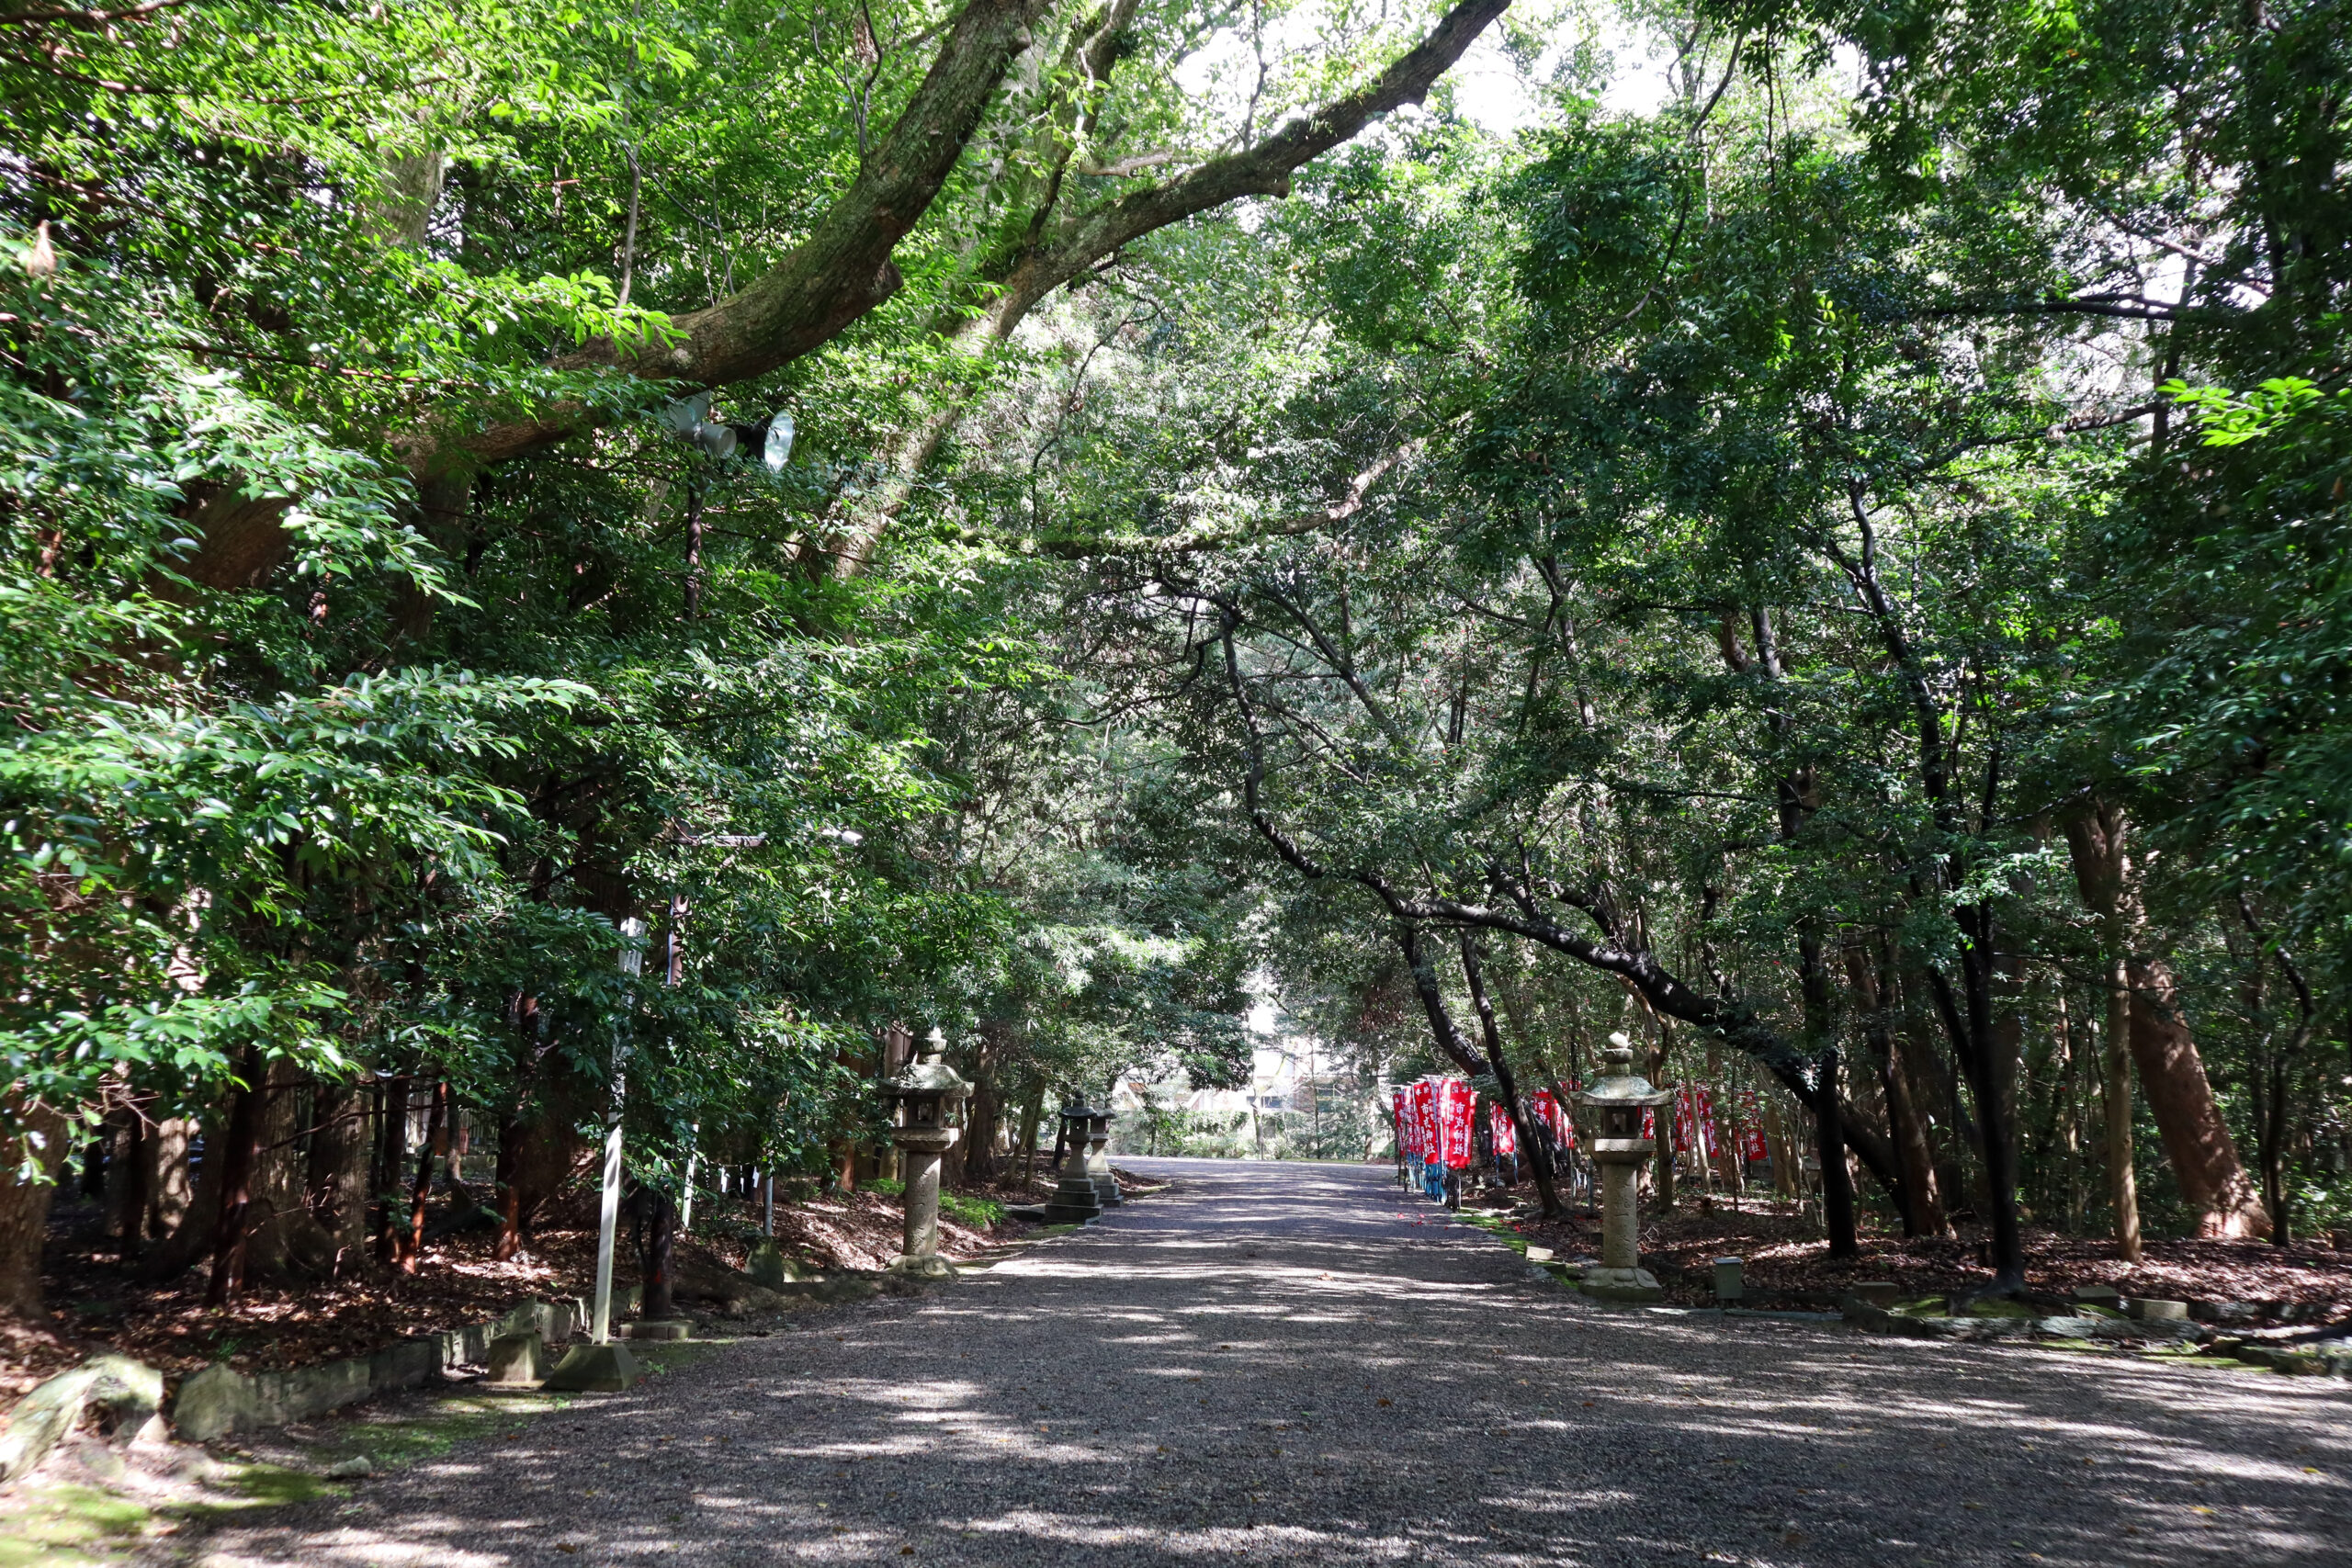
(220,1400)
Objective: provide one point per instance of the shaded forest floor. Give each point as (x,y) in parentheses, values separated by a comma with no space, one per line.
(1784,1256)
(98,1303)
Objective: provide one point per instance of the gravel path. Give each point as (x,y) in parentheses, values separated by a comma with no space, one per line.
(1296,1363)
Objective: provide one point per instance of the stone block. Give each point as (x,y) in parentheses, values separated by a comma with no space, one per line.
(1633,1285)
(220,1400)
(2099,1295)
(404,1365)
(1880,1293)
(2151,1310)
(2225,1311)
(1730,1285)
(2292,1363)
(518,1359)
(594,1368)
(664,1328)
(465,1347)
(1539,1254)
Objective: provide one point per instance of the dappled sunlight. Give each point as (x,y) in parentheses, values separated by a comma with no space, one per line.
(1188,1381)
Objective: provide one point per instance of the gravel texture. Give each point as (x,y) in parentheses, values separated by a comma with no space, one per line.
(1300,1363)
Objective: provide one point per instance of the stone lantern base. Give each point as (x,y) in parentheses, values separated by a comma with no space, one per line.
(1075,1202)
(1622,1285)
(930,1266)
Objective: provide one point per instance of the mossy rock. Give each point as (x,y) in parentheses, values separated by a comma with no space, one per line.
(1996,1308)
(1924,1306)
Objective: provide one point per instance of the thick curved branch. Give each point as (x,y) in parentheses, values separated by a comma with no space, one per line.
(1084,239)
(842,271)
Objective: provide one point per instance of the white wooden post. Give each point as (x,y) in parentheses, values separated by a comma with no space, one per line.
(609,1210)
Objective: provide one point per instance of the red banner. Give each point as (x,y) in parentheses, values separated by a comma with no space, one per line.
(1756,1149)
(1505,1135)
(1396,1123)
(1553,1112)
(1455,1103)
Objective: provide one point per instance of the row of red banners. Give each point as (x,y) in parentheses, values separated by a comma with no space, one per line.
(1434,1117)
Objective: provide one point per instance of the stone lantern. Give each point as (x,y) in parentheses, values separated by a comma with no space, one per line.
(928,1093)
(1098,1163)
(1078,1199)
(1617,1102)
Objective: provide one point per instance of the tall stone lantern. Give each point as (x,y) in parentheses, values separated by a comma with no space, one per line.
(1076,1197)
(1617,1102)
(1098,1164)
(928,1093)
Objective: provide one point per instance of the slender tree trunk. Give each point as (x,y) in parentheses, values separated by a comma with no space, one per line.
(239,1152)
(1662,1161)
(1921,1197)
(127,1176)
(1976,1040)
(392,1164)
(2122,1180)
(1783,1147)
(1538,1163)
(1029,1117)
(1836,1183)
(436,1145)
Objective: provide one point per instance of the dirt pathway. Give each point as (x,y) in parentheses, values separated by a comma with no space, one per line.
(1296,1363)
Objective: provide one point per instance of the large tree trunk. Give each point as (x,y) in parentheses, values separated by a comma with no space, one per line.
(337,1185)
(661,1244)
(2197,1141)
(24,1212)
(285,1241)
(201,1209)
(169,1186)
(2204,1159)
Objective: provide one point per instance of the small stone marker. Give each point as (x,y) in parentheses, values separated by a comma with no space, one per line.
(1729,1284)
(518,1361)
(768,1268)
(1539,1254)
(1879,1293)
(2099,1295)
(660,1328)
(2149,1310)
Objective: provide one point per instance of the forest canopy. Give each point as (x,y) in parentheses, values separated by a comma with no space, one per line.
(1808,533)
